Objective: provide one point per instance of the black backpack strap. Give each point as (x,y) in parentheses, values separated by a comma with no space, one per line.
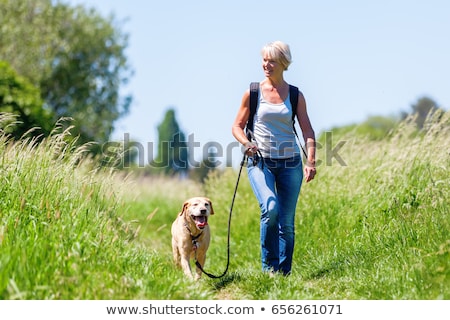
(293,95)
(254,92)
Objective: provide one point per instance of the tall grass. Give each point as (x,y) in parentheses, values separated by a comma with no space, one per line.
(61,235)
(381,223)
(376,228)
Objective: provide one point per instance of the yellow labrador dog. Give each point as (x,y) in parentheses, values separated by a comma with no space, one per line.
(191,234)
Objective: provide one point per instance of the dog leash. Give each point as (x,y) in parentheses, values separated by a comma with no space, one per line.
(229,229)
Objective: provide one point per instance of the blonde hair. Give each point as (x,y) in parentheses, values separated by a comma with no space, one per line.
(278,51)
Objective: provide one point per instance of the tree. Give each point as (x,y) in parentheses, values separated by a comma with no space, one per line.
(20,98)
(422,108)
(74,56)
(207,165)
(172,157)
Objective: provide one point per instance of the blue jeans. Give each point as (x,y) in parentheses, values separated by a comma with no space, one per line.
(276,184)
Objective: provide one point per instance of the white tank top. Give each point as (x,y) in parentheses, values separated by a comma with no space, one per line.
(273,129)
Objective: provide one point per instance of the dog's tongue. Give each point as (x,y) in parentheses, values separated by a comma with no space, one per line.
(201,221)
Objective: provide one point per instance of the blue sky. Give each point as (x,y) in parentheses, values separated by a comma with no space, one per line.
(351,59)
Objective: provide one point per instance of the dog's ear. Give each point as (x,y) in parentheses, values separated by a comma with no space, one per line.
(210,206)
(185,207)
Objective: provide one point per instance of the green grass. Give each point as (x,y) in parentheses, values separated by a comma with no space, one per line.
(377,228)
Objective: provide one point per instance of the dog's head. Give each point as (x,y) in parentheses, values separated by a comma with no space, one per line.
(198,209)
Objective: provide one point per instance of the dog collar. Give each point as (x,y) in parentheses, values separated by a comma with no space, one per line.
(190,232)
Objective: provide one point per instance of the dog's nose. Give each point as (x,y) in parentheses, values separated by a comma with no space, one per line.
(203,211)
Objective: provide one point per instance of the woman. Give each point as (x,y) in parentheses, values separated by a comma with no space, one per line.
(276,178)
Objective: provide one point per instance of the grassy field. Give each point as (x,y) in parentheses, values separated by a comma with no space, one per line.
(377,227)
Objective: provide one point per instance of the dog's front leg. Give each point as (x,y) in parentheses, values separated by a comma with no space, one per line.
(176,253)
(201,258)
(186,266)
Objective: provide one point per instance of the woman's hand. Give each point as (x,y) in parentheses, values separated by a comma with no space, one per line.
(250,149)
(309,172)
